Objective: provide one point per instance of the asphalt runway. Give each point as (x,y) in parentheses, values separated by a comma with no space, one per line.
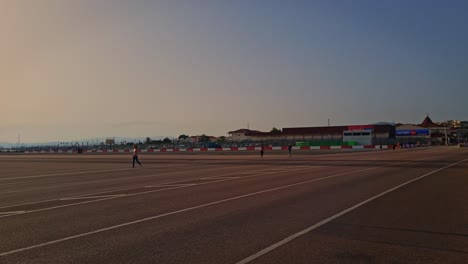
(404,206)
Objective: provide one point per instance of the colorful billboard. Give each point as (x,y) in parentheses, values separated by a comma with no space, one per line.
(413,132)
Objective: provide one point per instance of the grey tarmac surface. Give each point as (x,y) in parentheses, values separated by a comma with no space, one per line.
(406,206)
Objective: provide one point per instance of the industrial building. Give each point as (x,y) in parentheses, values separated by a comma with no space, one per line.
(427,132)
(330,135)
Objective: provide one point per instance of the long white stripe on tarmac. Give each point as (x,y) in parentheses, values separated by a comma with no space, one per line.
(176,186)
(84,172)
(170,187)
(177,212)
(118,179)
(90,197)
(126,189)
(111,180)
(124,179)
(333,217)
(175,182)
(58,174)
(12,212)
(220,178)
(251,174)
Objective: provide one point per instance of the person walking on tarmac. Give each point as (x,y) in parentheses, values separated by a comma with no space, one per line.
(262,150)
(290,150)
(135,156)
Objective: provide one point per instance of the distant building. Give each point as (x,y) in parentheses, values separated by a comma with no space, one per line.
(450,123)
(361,134)
(185,140)
(198,139)
(437,132)
(241,134)
(412,134)
(462,132)
(110,141)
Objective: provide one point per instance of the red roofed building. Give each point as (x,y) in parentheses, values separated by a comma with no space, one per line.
(241,134)
(427,123)
(437,132)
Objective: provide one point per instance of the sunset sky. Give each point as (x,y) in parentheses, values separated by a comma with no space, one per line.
(72,69)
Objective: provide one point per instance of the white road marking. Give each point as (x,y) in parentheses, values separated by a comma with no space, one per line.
(331,218)
(105,199)
(81,177)
(30,203)
(12,212)
(172,185)
(126,189)
(90,197)
(175,212)
(84,172)
(112,180)
(219,178)
(176,186)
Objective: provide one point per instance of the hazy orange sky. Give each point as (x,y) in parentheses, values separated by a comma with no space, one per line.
(78,69)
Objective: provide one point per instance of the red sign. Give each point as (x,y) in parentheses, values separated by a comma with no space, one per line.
(364,127)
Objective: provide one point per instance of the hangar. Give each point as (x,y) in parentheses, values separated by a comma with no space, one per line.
(329,135)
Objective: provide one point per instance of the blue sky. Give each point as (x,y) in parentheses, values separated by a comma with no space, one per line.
(79,69)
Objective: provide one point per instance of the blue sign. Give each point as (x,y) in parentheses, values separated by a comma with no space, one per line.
(413,132)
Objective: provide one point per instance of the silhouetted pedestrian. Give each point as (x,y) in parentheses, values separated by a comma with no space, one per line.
(135,156)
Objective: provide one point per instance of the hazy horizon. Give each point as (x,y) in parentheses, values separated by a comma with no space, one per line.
(83,69)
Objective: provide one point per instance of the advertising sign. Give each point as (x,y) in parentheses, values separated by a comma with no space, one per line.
(365,127)
(413,132)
